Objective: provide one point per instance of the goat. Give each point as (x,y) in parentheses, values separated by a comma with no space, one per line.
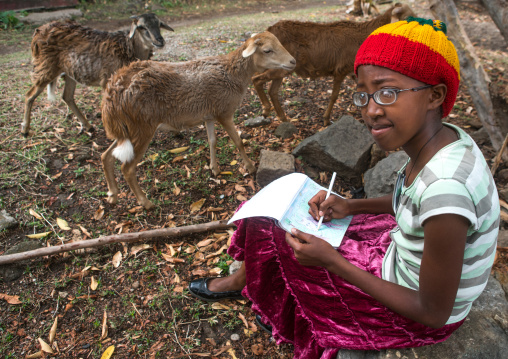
(147,95)
(86,56)
(320,50)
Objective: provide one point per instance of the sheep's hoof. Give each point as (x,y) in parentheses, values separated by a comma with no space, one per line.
(251,168)
(112,199)
(148,205)
(27,134)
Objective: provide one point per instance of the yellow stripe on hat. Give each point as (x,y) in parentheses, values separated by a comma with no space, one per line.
(436,41)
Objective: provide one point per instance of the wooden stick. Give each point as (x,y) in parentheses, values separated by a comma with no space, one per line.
(124,237)
(497,160)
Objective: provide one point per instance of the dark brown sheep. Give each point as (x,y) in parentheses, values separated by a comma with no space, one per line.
(86,56)
(148,95)
(320,50)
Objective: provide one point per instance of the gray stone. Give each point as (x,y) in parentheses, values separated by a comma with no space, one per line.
(376,155)
(503,194)
(6,221)
(233,267)
(273,165)
(39,18)
(286,130)
(503,174)
(484,334)
(257,121)
(502,238)
(13,271)
(380,180)
(481,136)
(343,147)
(235,337)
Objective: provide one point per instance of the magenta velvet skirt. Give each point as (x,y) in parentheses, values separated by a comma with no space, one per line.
(319,312)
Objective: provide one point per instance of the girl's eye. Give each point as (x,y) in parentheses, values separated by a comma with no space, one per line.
(387,94)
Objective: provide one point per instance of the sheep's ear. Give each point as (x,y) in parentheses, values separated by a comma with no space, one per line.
(167,27)
(133,30)
(251,48)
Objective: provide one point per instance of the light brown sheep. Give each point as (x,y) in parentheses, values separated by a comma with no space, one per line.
(320,50)
(147,95)
(86,56)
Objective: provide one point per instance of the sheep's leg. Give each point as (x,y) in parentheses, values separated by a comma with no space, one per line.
(229,126)
(68,97)
(129,173)
(212,142)
(337,81)
(259,83)
(108,166)
(274,96)
(30,97)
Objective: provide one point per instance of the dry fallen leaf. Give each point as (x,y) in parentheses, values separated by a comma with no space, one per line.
(45,346)
(179,149)
(98,214)
(108,352)
(204,242)
(257,349)
(117,258)
(104,334)
(35,214)
(199,272)
(139,248)
(241,198)
(242,318)
(38,235)
(234,162)
(240,188)
(94,284)
(215,271)
(219,306)
(170,259)
(11,299)
(85,232)
(62,223)
(231,351)
(196,206)
(226,173)
(176,191)
(52,331)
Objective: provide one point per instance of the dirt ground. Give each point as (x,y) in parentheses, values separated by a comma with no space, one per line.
(56,175)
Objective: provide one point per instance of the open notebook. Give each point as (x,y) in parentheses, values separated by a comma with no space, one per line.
(286,201)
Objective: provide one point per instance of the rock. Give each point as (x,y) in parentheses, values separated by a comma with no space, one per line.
(502,238)
(484,334)
(311,172)
(39,18)
(135,285)
(343,147)
(7,221)
(286,130)
(273,165)
(235,337)
(380,180)
(13,271)
(257,121)
(376,155)
(233,267)
(503,194)
(481,136)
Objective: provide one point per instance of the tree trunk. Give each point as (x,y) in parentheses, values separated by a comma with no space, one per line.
(498,11)
(124,237)
(471,69)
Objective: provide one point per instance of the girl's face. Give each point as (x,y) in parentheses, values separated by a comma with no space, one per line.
(405,123)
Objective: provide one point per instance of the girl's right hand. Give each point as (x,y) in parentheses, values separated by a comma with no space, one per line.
(334,207)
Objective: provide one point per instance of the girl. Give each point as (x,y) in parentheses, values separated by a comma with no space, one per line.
(397,283)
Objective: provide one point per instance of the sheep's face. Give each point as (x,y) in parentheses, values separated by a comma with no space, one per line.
(268,53)
(148,28)
(401,12)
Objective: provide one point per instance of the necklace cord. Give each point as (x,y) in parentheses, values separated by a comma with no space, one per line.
(418,155)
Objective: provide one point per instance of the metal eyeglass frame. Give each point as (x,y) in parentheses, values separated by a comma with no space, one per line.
(375,95)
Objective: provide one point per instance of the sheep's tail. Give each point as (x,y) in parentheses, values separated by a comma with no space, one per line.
(51,91)
(124,151)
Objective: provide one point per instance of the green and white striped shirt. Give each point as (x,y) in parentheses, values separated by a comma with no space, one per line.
(456,180)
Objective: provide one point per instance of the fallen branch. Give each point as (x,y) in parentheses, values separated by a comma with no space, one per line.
(124,237)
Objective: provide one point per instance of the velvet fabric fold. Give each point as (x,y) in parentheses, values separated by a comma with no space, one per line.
(315,310)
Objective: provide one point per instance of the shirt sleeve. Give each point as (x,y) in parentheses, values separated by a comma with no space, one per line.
(447,196)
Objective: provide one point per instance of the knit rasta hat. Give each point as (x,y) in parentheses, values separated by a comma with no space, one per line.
(417,48)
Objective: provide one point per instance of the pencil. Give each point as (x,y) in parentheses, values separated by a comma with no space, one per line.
(327,195)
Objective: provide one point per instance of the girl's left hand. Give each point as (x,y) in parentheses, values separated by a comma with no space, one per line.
(310,250)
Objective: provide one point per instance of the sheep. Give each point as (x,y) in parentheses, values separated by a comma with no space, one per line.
(320,50)
(86,56)
(147,95)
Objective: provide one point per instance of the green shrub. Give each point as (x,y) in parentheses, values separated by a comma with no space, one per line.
(8,20)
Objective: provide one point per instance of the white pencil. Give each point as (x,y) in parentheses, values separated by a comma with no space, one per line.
(327,195)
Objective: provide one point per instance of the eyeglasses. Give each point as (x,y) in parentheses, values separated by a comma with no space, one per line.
(382,97)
